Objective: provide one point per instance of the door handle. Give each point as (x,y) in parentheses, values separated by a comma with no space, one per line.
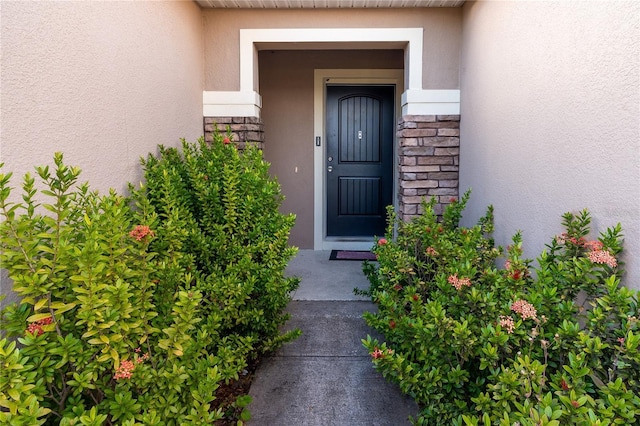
(330,169)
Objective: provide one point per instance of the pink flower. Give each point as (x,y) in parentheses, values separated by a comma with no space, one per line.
(125,370)
(564,238)
(603,257)
(431,252)
(377,353)
(140,232)
(507,264)
(226,141)
(382,241)
(458,283)
(578,241)
(525,309)
(507,323)
(593,245)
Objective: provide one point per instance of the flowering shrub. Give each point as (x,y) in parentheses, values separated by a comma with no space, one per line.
(475,344)
(139,315)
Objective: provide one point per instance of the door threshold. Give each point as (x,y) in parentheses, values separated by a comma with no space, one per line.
(348,243)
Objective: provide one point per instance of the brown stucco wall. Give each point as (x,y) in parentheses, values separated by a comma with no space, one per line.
(286,86)
(102,82)
(442,37)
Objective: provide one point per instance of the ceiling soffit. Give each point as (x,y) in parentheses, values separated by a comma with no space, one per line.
(325,4)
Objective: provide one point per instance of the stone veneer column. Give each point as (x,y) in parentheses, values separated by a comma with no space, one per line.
(429,148)
(243,129)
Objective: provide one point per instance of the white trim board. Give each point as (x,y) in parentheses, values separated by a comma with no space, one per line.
(247,102)
(346,76)
(249,38)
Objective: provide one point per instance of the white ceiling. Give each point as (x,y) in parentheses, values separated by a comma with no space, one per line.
(325,4)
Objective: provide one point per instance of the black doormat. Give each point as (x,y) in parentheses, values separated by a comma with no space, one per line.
(351,255)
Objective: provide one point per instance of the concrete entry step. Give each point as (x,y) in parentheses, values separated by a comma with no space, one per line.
(326,377)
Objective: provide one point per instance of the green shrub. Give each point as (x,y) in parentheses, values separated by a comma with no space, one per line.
(217,217)
(139,315)
(555,344)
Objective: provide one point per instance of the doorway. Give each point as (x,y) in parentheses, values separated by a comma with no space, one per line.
(393,79)
(359,159)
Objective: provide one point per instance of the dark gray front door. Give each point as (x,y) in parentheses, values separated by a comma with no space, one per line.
(359,160)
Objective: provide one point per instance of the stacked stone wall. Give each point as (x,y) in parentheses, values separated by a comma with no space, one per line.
(429,152)
(244,130)
(428,155)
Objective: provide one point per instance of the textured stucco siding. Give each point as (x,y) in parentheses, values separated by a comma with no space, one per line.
(441,47)
(102,82)
(550,107)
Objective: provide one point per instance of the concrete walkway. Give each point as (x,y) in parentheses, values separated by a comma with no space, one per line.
(326,377)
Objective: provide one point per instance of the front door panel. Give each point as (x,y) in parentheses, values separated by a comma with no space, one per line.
(359,163)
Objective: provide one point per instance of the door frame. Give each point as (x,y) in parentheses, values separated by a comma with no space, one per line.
(344,76)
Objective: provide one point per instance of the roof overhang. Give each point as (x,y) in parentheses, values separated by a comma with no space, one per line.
(325,4)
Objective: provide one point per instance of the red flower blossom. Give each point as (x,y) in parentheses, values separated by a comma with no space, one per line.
(382,241)
(226,141)
(458,283)
(392,324)
(125,370)
(593,245)
(140,232)
(564,385)
(377,353)
(397,287)
(36,328)
(415,297)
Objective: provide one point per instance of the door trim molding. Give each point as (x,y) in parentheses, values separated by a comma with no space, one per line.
(346,76)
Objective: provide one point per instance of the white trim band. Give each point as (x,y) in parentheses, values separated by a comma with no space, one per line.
(412,37)
(247,102)
(231,104)
(431,102)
